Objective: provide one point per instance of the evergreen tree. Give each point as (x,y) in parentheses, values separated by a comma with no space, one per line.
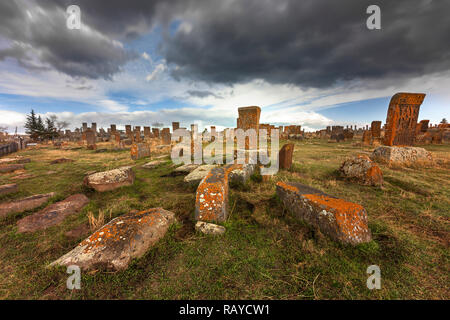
(444,121)
(31,125)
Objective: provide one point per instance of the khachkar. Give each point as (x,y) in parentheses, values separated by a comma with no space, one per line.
(249,119)
(402,118)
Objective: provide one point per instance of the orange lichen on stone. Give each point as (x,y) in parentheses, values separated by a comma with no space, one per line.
(347,214)
(287,186)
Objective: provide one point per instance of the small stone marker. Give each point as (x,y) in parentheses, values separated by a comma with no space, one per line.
(339,219)
(110,180)
(120,241)
(53,214)
(285,156)
(61,160)
(209,228)
(198,174)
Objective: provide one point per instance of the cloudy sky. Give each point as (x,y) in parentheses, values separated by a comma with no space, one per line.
(309,62)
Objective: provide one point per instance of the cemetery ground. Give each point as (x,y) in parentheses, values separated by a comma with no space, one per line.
(265,253)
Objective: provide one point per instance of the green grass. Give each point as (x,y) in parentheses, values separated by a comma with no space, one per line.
(265,254)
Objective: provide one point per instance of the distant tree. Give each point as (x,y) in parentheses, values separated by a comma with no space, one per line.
(59,124)
(49,130)
(444,121)
(32,126)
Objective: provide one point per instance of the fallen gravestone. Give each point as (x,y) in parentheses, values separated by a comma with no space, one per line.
(211,202)
(24,204)
(402,155)
(120,241)
(241,173)
(8,188)
(339,219)
(53,214)
(362,169)
(110,180)
(11,168)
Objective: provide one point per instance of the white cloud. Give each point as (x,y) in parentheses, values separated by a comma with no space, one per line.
(160,68)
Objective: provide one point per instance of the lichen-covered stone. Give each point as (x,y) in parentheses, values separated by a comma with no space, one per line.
(285,156)
(110,180)
(211,203)
(241,173)
(24,204)
(363,169)
(153,164)
(53,214)
(198,174)
(139,151)
(120,241)
(401,155)
(339,219)
(209,228)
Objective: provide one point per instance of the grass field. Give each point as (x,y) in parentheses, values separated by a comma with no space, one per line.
(265,254)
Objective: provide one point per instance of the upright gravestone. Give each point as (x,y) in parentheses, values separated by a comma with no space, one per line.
(175,126)
(147,133)
(285,156)
(155,132)
(91,139)
(402,119)
(367,138)
(128,132)
(375,128)
(137,134)
(249,119)
(166,137)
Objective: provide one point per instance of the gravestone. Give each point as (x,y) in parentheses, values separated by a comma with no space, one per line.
(249,119)
(175,126)
(137,134)
(155,132)
(401,118)
(285,156)
(367,138)
(166,136)
(91,139)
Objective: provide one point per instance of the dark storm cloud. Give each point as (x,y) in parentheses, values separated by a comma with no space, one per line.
(202,94)
(311,43)
(39,35)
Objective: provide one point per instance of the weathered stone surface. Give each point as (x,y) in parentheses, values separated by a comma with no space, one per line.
(17,159)
(241,173)
(402,119)
(211,202)
(24,204)
(375,128)
(110,180)
(401,155)
(339,219)
(209,228)
(198,174)
(140,150)
(61,160)
(53,214)
(362,169)
(285,156)
(120,241)
(185,169)
(11,168)
(8,188)
(153,164)
(366,138)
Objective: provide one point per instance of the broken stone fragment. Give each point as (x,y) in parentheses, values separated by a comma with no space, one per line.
(242,173)
(11,168)
(121,240)
(401,155)
(24,204)
(209,228)
(110,180)
(341,220)
(362,169)
(185,169)
(8,188)
(198,174)
(153,164)
(53,214)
